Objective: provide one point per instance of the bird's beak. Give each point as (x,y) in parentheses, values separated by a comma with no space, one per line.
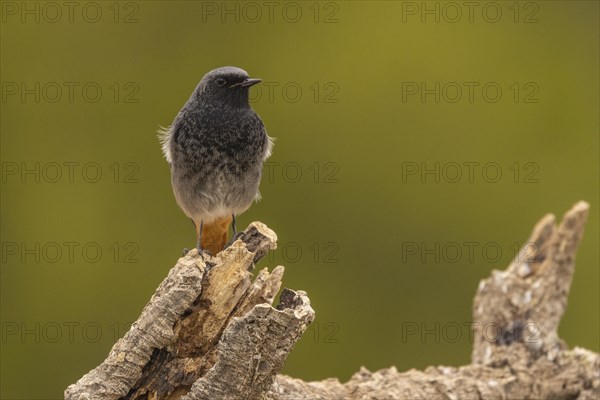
(247,82)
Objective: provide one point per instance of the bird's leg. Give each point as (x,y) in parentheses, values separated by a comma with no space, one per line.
(236,234)
(199,243)
(199,240)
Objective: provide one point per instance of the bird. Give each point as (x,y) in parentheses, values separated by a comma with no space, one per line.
(216,147)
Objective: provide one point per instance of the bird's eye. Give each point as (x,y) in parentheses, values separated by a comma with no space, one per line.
(221,82)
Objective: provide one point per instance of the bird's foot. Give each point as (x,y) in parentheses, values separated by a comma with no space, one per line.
(206,256)
(204,253)
(201,252)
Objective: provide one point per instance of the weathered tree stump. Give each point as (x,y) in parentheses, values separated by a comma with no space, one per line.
(209,332)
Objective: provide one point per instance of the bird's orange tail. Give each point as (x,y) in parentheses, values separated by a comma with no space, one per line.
(214,234)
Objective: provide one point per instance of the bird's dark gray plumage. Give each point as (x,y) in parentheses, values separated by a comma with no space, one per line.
(216,147)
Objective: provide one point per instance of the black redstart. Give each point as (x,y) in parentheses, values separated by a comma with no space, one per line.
(216,147)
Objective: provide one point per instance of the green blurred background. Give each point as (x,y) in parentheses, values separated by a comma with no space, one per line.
(335,191)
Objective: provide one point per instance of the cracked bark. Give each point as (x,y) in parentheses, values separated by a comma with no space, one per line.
(210,332)
(527,359)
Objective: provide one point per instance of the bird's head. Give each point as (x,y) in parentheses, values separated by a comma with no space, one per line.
(228,85)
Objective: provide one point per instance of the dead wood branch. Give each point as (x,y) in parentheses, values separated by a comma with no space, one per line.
(525,359)
(209,332)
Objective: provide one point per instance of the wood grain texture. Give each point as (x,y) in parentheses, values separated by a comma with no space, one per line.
(208,324)
(523,359)
(210,332)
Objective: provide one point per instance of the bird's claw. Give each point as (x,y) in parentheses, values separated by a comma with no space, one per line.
(201,252)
